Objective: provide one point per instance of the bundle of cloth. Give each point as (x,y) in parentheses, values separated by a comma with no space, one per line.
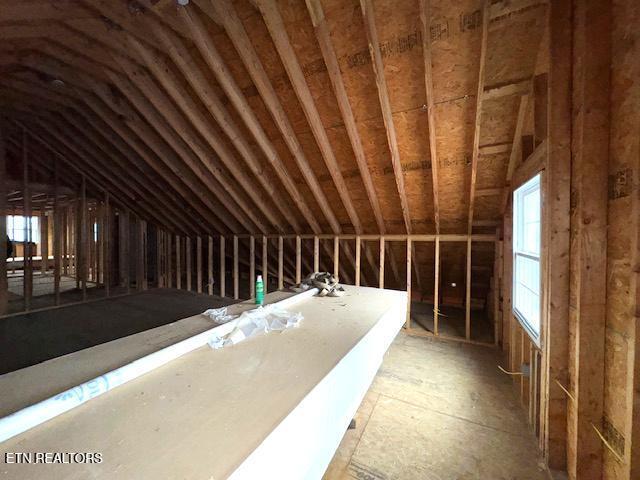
(325,282)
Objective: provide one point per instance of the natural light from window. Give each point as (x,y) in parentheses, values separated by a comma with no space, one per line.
(526,255)
(16,228)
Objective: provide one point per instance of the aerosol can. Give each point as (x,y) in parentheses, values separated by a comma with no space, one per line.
(259,291)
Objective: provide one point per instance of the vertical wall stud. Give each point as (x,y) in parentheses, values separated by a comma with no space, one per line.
(210,266)
(187,261)
(436,288)
(223,268)
(316,254)
(178,266)
(57,235)
(27,260)
(298,260)
(107,245)
(467,303)
(199,264)
(358,252)
(236,271)
(169,261)
(252,266)
(4,286)
(265,266)
(84,238)
(381,268)
(408,321)
(336,257)
(280,263)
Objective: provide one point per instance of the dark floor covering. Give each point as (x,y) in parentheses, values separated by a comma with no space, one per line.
(34,337)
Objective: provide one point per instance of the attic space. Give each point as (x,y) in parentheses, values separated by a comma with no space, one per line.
(320,239)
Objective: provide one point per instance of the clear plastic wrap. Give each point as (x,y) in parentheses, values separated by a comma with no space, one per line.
(257,322)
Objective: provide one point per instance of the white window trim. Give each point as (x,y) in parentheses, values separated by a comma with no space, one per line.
(534,182)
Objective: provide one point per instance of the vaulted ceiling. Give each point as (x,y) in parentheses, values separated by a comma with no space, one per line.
(324,116)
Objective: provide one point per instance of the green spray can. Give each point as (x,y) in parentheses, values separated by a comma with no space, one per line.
(259,291)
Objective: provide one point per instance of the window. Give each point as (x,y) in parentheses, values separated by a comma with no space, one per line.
(526,255)
(16,228)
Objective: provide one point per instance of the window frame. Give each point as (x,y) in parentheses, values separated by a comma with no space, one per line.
(532,184)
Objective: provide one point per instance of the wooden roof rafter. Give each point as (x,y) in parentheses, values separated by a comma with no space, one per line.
(143,180)
(160,68)
(184,131)
(387,116)
(478,116)
(277,31)
(425,18)
(232,218)
(78,80)
(224,14)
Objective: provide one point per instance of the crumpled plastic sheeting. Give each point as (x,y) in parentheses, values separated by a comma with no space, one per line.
(219,315)
(257,322)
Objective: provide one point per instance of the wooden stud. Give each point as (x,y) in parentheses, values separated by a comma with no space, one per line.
(409,249)
(336,258)
(516,148)
(44,243)
(210,265)
(265,272)
(381,268)
(316,254)
(467,302)
(589,193)
(57,233)
(497,269)
(223,268)
(298,260)
(252,267)
(144,249)
(65,240)
(358,246)
(169,261)
(280,259)
(188,261)
(178,264)
(127,243)
(107,245)
(84,238)
(236,273)
(436,289)
(159,258)
(27,260)
(4,287)
(199,264)
(556,208)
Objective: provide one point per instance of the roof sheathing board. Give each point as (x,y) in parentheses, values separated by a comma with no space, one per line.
(398,30)
(266,51)
(350,44)
(301,34)
(456,30)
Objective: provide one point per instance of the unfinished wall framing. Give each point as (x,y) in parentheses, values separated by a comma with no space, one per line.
(158,145)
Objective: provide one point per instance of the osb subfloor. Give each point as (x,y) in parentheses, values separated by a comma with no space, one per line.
(452,321)
(438,411)
(34,337)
